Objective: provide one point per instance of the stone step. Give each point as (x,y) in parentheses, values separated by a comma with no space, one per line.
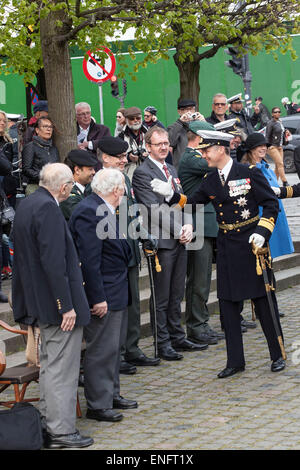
(287,269)
(285,278)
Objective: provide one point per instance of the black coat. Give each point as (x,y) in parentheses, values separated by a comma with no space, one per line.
(35,155)
(47,279)
(236,265)
(104,261)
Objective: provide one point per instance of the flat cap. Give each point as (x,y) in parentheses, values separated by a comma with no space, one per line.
(235,98)
(113,145)
(196,126)
(132,111)
(41,105)
(82,157)
(185,103)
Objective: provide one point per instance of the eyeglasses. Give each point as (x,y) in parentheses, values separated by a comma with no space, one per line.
(120,157)
(134,118)
(276,112)
(219,104)
(147,115)
(46,127)
(161,144)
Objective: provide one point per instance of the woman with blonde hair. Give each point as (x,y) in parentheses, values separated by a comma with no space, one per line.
(256,150)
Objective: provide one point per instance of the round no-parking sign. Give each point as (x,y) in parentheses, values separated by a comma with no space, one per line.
(97,69)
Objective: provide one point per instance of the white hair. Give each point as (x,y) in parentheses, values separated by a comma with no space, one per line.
(54,175)
(106,180)
(82,104)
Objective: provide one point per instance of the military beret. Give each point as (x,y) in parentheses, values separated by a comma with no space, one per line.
(40,106)
(112,145)
(82,157)
(235,98)
(185,103)
(132,111)
(195,126)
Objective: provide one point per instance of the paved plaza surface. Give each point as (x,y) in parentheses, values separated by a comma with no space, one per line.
(184,406)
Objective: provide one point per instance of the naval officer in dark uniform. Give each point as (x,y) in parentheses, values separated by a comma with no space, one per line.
(82,164)
(236,192)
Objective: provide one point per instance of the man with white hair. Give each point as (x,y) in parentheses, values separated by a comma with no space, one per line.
(88,132)
(47,290)
(104,255)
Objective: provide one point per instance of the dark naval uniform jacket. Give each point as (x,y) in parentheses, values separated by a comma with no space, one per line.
(237,208)
(104,260)
(47,279)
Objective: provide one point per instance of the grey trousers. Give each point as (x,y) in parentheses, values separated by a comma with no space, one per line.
(60,363)
(169,292)
(104,337)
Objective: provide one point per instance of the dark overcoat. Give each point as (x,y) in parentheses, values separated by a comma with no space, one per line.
(104,260)
(47,279)
(236,202)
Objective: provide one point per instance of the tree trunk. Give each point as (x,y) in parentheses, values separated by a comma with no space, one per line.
(188,76)
(59,83)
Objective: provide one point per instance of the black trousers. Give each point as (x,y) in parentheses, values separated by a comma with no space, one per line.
(230,312)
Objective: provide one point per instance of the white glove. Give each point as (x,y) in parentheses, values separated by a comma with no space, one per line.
(257,239)
(276,190)
(160,187)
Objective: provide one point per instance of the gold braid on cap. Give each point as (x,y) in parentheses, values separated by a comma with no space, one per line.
(267,223)
(182,202)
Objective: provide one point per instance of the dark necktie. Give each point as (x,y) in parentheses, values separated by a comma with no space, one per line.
(222,178)
(166,170)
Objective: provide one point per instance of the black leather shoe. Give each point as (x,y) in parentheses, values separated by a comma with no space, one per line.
(126,368)
(228,371)
(248,324)
(281,314)
(124,404)
(187,345)
(278,365)
(169,354)
(75,440)
(104,415)
(3,297)
(143,360)
(203,338)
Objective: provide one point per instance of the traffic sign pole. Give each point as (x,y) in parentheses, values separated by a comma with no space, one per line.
(101,103)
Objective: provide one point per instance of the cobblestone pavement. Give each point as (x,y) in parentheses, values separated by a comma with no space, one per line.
(184,406)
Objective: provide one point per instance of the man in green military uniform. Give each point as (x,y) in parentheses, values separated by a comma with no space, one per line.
(192,168)
(82,164)
(114,155)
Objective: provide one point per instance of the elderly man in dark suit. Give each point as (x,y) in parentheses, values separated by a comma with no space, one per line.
(236,192)
(104,254)
(88,131)
(169,283)
(47,289)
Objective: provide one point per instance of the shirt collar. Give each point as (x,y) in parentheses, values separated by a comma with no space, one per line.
(225,171)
